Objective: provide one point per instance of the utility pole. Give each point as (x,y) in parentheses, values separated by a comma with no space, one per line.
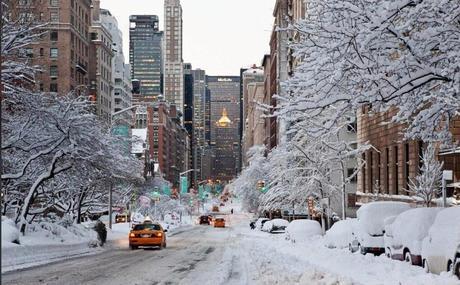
(110,205)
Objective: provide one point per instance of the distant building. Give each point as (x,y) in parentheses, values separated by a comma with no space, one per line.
(121,73)
(269,89)
(188,98)
(173,62)
(145,55)
(225,104)
(252,94)
(100,64)
(199,106)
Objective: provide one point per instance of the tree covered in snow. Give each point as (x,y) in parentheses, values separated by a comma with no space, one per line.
(245,186)
(427,185)
(383,55)
(57,156)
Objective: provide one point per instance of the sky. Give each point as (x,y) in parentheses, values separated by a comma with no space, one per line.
(220,36)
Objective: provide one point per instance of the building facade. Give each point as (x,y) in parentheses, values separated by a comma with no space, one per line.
(173,63)
(249,77)
(198,138)
(225,99)
(100,64)
(145,55)
(393,161)
(63,50)
(269,91)
(121,72)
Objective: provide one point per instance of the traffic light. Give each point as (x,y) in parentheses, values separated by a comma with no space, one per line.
(261,186)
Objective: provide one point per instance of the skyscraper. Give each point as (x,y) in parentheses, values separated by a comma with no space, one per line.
(173,62)
(225,125)
(199,103)
(145,54)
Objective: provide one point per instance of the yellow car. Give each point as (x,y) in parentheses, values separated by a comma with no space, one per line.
(147,234)
(219,223)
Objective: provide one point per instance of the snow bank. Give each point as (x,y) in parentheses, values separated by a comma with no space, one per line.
(10,234)
(340,234)
(46,242)
(371,216)
(260,222)
(302,230)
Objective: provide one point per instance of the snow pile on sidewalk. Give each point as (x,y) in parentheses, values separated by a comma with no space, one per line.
(340,264)
(44,242)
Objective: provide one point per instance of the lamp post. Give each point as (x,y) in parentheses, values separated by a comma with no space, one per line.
(111,184)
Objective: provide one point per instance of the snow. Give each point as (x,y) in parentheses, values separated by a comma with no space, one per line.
(303,230)
(371,216)
(410,228)
(340,234)
(443,239)
(10,234)
(139,138)
(259,224)
(275,225)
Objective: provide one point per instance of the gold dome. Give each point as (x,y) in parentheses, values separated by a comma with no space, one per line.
(224,121)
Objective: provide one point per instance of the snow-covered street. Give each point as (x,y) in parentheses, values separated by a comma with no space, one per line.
(233,255)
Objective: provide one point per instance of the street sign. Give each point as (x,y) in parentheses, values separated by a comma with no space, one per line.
(166,190)
(447,175)
(183,184)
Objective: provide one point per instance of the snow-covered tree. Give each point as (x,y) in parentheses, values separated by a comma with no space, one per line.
(245,186)
(427,185)
(56,154)
(380,55)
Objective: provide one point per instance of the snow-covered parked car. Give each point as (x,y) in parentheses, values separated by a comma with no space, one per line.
(370,227)
(340,234)
(457,263)
(405,235)
(440,249)
(275,226)
(302,230)
(260,223)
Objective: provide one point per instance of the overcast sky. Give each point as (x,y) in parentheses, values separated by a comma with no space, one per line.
(220,36)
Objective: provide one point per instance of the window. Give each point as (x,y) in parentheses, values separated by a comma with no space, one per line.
(350,172)
(54,3)
(54,52)
(42,52)
(53,71)
(29,52)
(53,87)
(53,36)
(54,16)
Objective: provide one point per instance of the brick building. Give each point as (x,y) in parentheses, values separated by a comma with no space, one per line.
(393,161)
(63,51)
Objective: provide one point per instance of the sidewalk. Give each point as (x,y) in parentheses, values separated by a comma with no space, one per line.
(15,257)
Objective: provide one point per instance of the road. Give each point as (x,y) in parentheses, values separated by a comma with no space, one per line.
(189,255)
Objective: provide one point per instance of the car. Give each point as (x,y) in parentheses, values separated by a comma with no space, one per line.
(260,223)
(367,236)
(122,218)
(457,263)
(440,249)
(219,223)
(205,220)
(147,234)
(303,230)
(405,235)
(275,226)
(215,209)
(388,234)
(340,234)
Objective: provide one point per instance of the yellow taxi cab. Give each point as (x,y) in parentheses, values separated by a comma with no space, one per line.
(219,223)
(147,234)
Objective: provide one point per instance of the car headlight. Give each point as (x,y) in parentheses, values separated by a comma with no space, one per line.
(132,235)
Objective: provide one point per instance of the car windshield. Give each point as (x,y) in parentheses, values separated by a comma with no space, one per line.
(147,227)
